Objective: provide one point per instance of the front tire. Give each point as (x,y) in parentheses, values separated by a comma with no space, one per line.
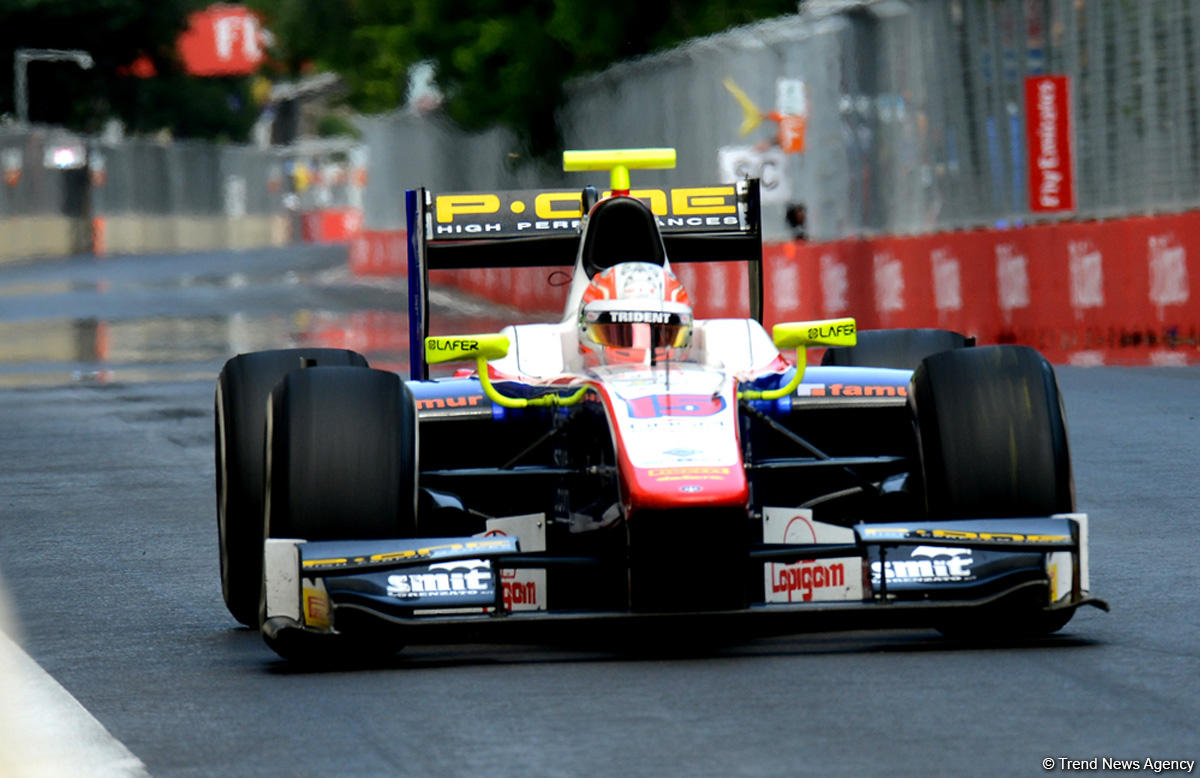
(993,444)
(240,418)
(341,465)
(341,456)
(991,434)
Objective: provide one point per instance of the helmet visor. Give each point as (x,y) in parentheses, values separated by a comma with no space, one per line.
(638,329)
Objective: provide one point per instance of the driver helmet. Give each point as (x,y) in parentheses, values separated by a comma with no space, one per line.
(634,312)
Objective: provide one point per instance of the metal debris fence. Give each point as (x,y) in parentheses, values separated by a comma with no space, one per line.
(915,123)
(915,114)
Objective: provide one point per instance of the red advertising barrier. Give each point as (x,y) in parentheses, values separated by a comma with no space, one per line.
(1115,292)
(330,225)
(1090,293)
(379,253)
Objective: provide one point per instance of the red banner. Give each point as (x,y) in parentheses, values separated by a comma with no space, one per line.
(222,40)
(1048,132)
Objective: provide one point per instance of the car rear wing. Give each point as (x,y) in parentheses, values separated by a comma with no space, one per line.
(540,228)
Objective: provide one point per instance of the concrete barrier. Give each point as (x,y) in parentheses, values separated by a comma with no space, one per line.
(30,237)
(139,234)
(22,237)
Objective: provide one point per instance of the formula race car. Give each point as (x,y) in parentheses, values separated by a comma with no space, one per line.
(632,469)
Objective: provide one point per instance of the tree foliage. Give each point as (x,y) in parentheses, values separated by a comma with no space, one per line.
(497,61)
(115,33)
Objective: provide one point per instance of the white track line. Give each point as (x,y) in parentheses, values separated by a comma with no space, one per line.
(46,733)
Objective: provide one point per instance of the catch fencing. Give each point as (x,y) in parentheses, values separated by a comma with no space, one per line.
(915,115)
(65,194)
(914,121)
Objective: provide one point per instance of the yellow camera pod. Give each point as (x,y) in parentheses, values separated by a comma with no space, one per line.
(800,335)
(618,163)
(462,348)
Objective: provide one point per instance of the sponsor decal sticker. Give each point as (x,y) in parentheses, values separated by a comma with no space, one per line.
(316,603)
(814,580)
(806,577)
(524,589)
(492,214)
(656,405)
(691,422)
(425,552)
(433,403)
(452,344)
(851,390)
(831,331)
(958,534)
(689,473)
(443,579)
(634,317)
(927,564)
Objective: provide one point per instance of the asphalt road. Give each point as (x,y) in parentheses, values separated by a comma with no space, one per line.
(108,549)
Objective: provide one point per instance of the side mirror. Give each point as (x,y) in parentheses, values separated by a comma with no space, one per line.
(799,335)
(464,348)
(824,332)
(481,348)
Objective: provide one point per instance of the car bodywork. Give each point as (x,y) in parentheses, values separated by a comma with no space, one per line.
(735,491)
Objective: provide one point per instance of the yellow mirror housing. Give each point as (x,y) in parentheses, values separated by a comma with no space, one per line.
(823,332)
(464,348)
(799,335)
(481,348)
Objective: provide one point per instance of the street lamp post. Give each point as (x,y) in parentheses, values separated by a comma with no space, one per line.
(22,58)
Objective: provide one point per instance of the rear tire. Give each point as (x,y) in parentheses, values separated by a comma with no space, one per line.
(902,348)
(240,418)
(993,444)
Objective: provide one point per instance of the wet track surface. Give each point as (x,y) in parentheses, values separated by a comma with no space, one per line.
(108,548)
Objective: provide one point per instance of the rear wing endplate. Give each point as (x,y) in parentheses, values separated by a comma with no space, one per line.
(540,228)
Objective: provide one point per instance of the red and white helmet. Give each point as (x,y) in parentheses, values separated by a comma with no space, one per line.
(633,309)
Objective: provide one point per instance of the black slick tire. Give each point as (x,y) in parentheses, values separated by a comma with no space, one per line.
(991,434)
(993,444)
(240,419)
(341,465)
(341,456)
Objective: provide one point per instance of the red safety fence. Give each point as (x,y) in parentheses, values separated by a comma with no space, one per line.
(1089,293)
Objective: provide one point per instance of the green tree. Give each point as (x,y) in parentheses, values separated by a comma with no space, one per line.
(498,61)
(115,33)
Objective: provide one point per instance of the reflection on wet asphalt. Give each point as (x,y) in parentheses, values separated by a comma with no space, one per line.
(173,317)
